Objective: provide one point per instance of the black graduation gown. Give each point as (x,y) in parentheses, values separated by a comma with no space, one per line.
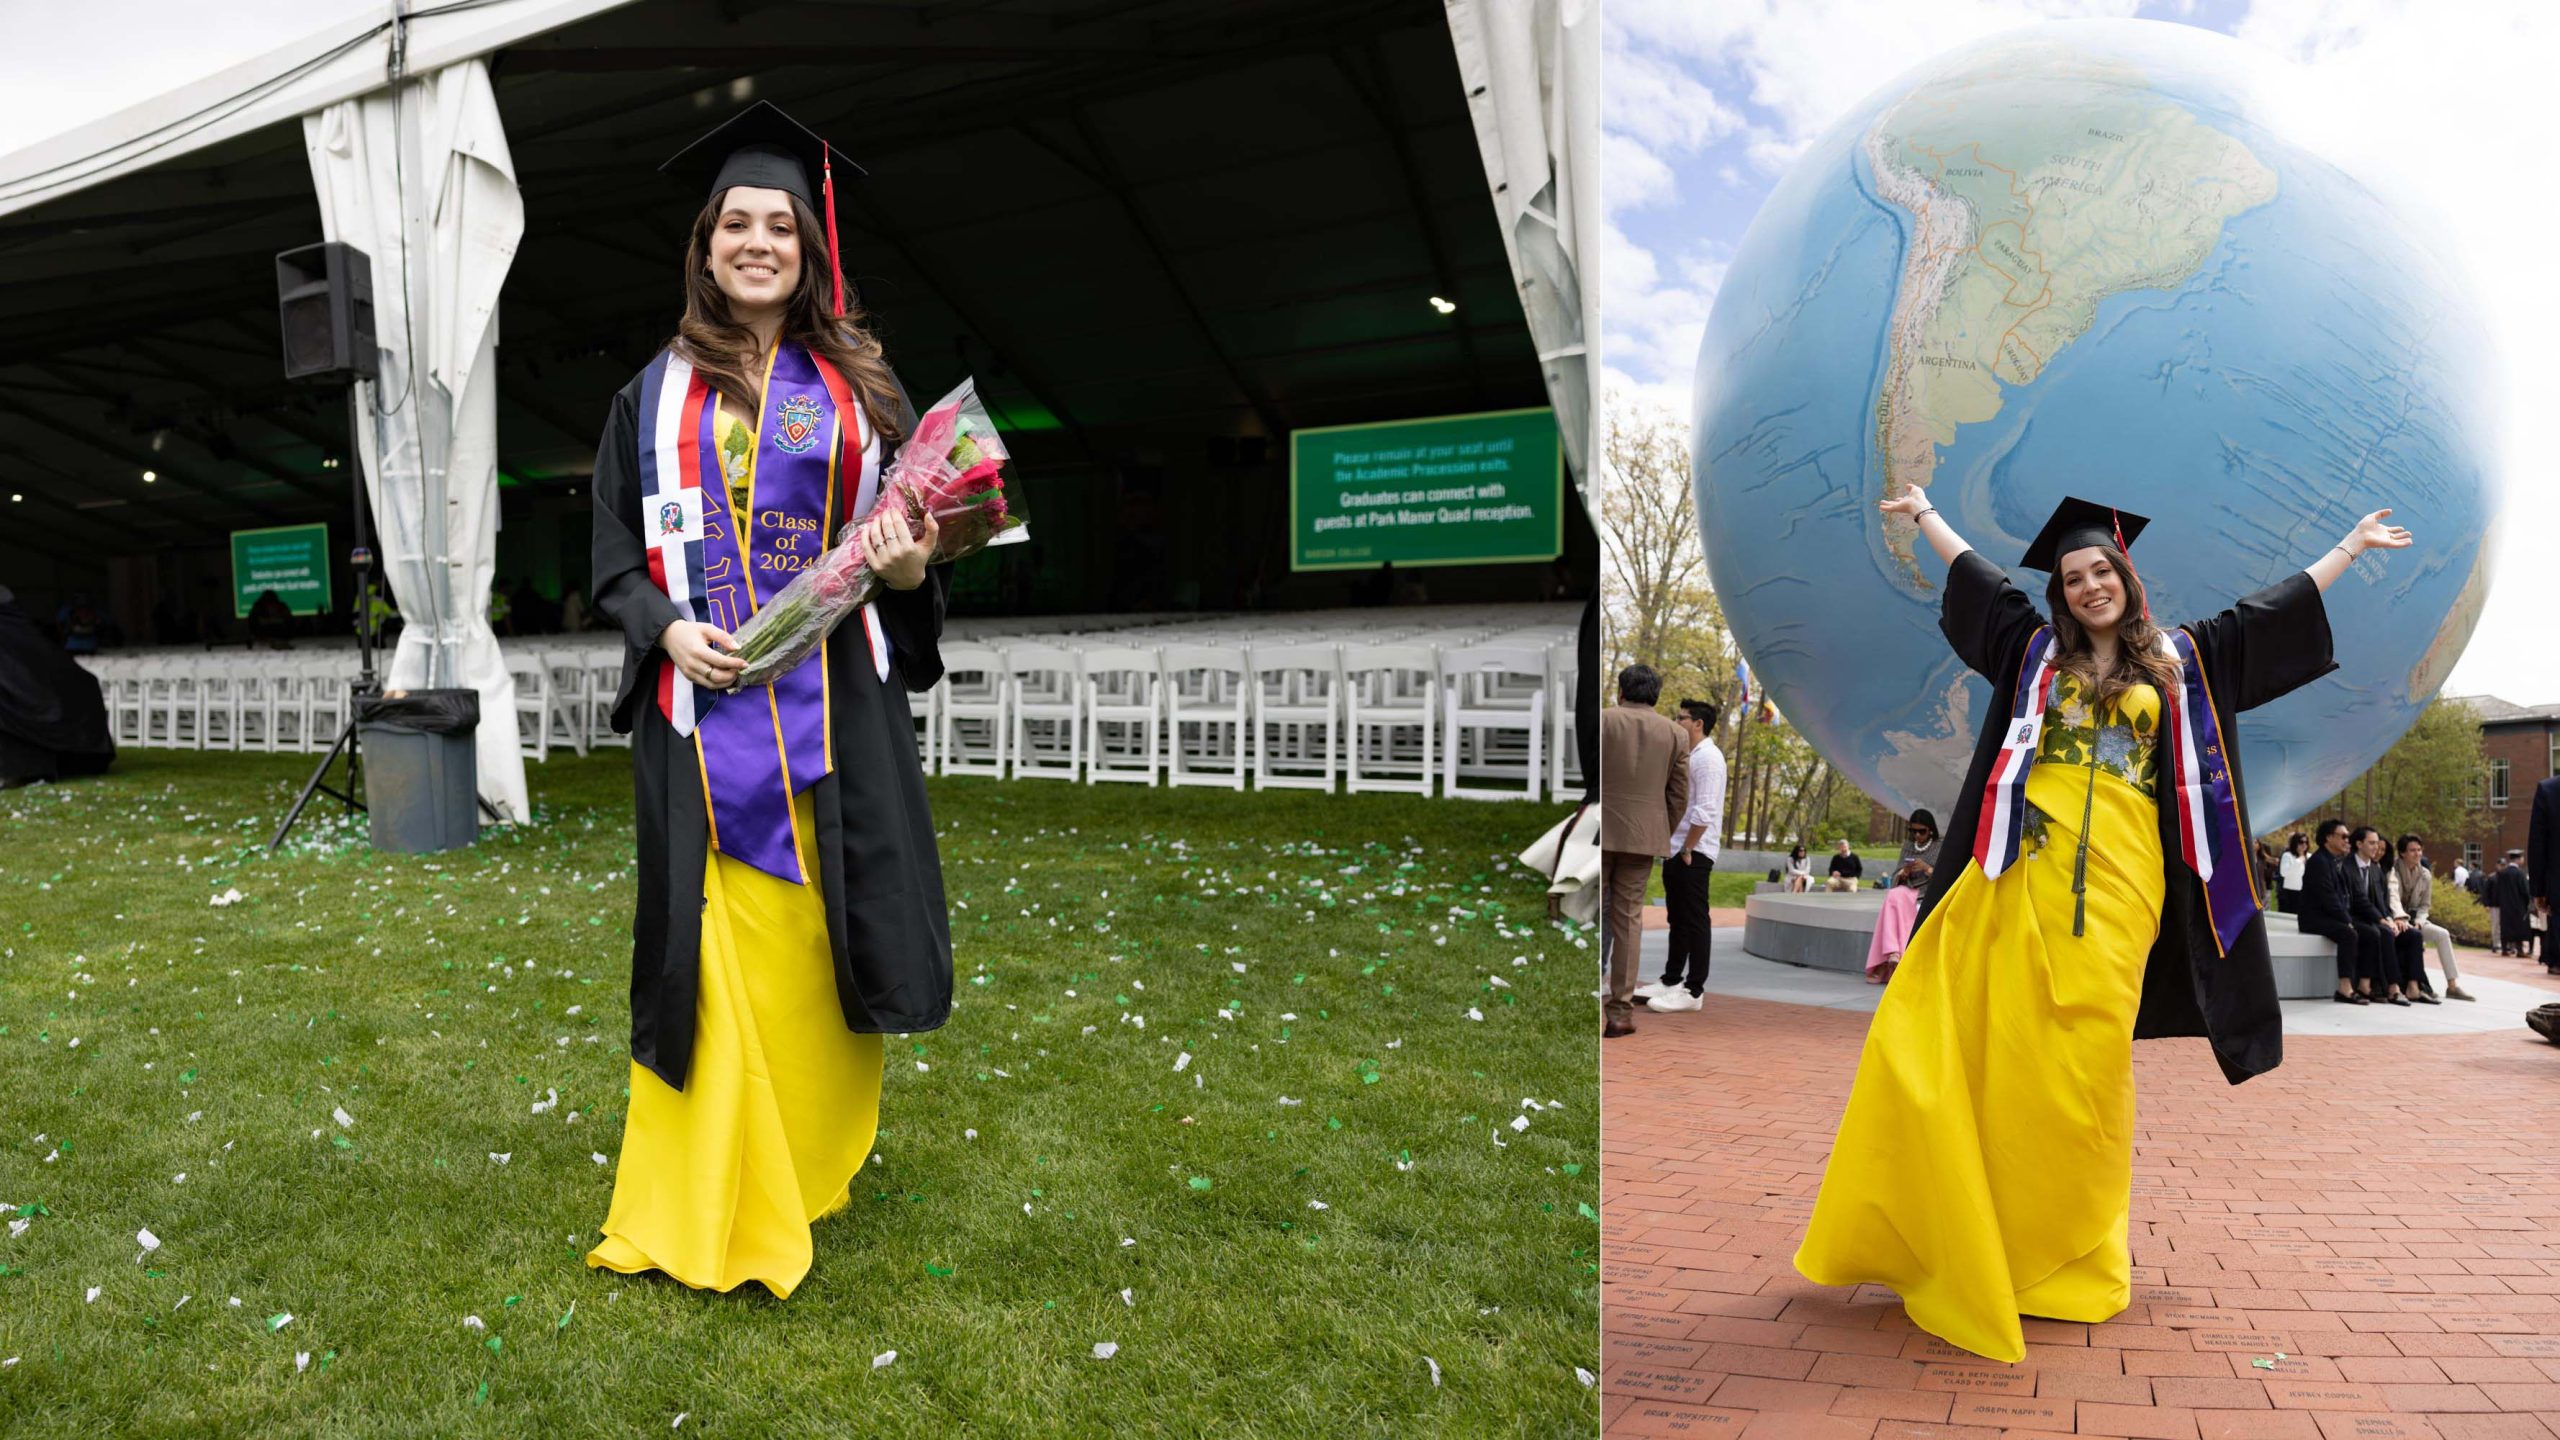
(2264,646)
(2542,841)
(877,863)
(2512,892)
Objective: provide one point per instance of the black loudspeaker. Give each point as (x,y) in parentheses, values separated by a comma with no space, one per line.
(324,295)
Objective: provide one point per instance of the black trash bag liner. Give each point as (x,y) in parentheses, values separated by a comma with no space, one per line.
(53,715)
(423,712)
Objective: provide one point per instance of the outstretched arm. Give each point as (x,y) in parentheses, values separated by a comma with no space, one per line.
(1985,618)
(1942,537)
(2370,533)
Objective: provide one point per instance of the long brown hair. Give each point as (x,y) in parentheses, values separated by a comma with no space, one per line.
(725,352)
(2140,658)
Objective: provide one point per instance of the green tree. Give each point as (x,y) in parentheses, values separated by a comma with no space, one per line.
(2426,784)
(1658,607)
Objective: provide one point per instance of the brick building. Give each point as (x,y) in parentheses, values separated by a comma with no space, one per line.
(2522,746)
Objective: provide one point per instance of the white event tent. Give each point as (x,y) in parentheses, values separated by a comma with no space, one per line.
(411,165)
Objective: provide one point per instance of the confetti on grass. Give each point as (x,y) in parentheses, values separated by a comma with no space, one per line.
(1064,988)
(1106,1349)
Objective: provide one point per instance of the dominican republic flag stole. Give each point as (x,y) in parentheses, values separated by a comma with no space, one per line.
(2210,838)
(812,462)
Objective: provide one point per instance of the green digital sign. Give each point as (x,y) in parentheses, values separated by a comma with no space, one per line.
(1450,490)
(291,560)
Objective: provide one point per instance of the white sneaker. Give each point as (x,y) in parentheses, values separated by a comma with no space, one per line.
(1673,1000)
(1652,991)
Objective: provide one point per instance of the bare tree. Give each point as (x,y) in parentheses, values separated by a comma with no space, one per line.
(1658,607)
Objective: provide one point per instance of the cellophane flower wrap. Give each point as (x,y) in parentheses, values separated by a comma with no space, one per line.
(951,468)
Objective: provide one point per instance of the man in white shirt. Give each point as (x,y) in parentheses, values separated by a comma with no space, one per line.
(1688,865)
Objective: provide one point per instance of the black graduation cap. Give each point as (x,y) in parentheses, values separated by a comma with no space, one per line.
(2078,524)
(764,147)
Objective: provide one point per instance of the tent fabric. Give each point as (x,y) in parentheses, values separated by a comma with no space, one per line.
(327,66)
(417,176)
(1532,73)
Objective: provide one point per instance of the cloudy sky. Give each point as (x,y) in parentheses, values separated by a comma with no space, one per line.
(98,58)
(2445,102)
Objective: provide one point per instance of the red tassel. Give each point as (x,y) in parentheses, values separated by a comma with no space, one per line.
(2118,521)
(835,256)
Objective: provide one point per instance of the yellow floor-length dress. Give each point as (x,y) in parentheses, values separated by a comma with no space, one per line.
(1983,1169)
(719,1181)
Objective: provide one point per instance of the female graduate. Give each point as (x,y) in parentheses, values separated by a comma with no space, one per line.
(2097,890)
(790,897)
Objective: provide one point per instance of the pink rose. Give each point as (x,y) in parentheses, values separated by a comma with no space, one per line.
(830,587)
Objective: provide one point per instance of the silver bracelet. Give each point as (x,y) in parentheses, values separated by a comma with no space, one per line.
(1915,517)
(2343,550)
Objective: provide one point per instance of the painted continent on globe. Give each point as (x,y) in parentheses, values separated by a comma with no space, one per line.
(2085,259)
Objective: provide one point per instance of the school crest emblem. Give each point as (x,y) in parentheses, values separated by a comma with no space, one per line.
(670,519)
(799,425)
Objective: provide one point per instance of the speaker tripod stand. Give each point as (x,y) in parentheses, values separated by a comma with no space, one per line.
(368,685)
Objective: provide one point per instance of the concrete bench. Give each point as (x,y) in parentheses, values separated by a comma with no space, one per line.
(1824,930)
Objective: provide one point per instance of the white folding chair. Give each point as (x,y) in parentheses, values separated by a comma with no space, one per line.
(1048,711)
(125,709)
(533,702)
(1390,699)
(328,684)
(567,713)
(160,701)
(604,681)
(258,687)
(1297,716)
(217,706)
(284,705)
(1123,713)
(973,709)
(173,706)
(1491,693)
(1564,737)
(1204,714)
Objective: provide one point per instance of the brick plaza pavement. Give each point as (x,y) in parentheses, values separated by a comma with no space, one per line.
(2382,1212)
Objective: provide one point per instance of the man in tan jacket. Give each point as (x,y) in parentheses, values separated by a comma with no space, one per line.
(1644,789)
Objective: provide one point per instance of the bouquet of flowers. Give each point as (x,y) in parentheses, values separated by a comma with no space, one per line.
(951,468)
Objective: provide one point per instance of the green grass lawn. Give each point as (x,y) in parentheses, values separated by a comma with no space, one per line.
(1335,1193)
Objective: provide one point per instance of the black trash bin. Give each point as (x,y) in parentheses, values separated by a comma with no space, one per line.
(421,774)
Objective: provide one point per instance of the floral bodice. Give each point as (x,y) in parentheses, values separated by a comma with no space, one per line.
(2122,735)
(736,439)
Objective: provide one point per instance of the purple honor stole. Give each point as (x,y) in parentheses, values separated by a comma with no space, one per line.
(759,747)
(2210,838)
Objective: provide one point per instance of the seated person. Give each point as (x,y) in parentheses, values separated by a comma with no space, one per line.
(1845,869)
(1921,842)
(2337,909)
(1894,924)
(2403,954)
(2412,892)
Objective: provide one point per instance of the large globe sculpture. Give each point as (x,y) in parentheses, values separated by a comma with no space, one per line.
(2088,258)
